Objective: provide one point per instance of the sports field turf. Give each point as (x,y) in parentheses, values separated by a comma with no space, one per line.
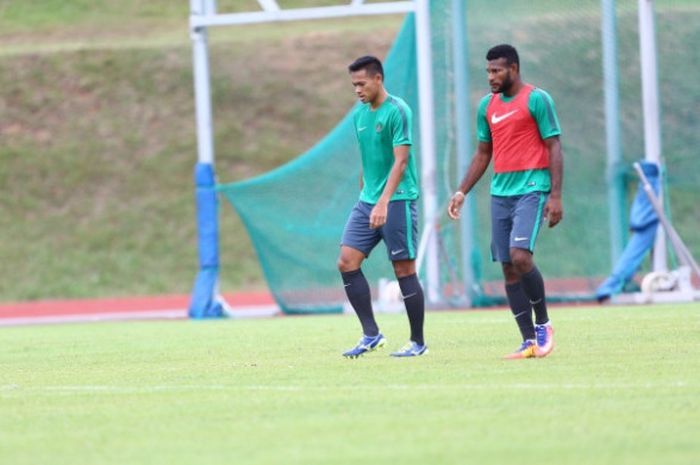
(622,387)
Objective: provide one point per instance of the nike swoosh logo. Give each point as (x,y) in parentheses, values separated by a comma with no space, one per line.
(396,252)
(361,129)
(520,238)
(495,119)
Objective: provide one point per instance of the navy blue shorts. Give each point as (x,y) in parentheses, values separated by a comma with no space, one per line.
(515,223)
(399,233)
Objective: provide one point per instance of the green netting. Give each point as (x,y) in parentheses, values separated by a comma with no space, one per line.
(561,51)
(295,214)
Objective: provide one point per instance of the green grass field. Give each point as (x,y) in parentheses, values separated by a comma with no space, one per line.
(622,387)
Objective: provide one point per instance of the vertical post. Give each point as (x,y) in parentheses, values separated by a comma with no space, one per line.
(650,105)
(616,195)
(460,54)
(427,131)
(204,303)
(202,91)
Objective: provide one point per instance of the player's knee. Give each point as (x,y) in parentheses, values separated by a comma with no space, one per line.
(404,268)
(347,263)
(343,264)
(521,260)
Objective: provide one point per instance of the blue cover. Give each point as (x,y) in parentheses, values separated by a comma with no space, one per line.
(204,303)
(642,213)
(643,223)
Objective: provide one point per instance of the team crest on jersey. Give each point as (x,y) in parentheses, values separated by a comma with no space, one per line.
(379,127)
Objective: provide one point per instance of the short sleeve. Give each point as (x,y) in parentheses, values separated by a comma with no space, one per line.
(483,132)
(402,124)
(544,112)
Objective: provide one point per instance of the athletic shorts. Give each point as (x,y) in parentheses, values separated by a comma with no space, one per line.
(515,223)
(399,232)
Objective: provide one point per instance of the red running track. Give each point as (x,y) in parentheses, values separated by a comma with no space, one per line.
(249,304)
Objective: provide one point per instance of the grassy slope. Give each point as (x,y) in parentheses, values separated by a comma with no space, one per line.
(98,142)
(98,149)
(623,392)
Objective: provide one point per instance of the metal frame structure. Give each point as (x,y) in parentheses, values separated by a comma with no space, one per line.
(204,15)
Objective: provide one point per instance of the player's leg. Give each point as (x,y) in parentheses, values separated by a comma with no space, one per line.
(522,312)
(501,228)
(400,234)
(527,221)
(357,242)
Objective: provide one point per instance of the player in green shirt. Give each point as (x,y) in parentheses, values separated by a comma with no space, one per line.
(386,209)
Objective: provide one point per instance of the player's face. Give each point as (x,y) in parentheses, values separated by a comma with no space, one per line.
(500,75)
(367,87)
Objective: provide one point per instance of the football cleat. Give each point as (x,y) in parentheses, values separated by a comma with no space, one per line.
(526,350)
(545,339)
(411,349)
(366,344)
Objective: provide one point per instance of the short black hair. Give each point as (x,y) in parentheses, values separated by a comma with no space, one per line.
(504,51)
(369,63)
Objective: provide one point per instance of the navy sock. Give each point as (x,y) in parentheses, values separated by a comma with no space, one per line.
(521,308)
(360,297)
(412,293)
(533,284)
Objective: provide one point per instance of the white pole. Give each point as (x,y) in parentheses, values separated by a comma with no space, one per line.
(202,90)
(295,14)
(650,105)
(427,137)
(269,5)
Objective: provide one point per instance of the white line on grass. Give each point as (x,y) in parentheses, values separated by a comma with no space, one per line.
(14,389)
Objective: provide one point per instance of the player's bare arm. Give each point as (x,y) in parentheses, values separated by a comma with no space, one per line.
(378,215)
(477,168)
(553,210)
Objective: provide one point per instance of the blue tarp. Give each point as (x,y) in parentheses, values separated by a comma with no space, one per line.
(643,224)
(204,303)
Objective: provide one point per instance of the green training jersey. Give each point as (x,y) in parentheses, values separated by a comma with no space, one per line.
(378,132)
(541,107)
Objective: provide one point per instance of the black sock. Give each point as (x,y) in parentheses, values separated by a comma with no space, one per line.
(412,293)
(533,284)
(357,290)
(521,308)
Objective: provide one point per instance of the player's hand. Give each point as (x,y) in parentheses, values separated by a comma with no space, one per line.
(553,211)
(377,218)
(455,205)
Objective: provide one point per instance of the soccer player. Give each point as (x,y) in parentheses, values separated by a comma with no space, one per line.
(517,126)
(386,209)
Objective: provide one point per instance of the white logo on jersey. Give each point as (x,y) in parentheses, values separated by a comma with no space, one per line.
(495,119)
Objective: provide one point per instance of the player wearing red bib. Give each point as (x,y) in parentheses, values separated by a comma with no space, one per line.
(517,126)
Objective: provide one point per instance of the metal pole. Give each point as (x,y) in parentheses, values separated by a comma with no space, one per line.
(460,53)
(650,104)
(427,134)
(205,302)
(269,14)
(616,198)
(202,89)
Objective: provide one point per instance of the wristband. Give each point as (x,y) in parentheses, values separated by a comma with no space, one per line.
(459,193)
